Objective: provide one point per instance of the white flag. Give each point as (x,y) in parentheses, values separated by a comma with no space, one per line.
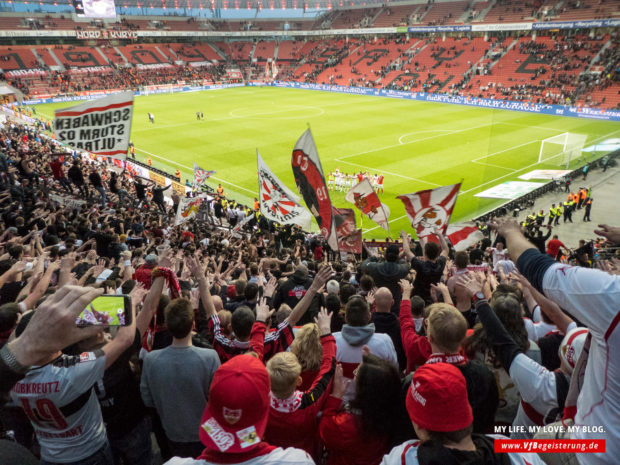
(431,209)
(277,202)
(363,196)
(188,208)
(99,126)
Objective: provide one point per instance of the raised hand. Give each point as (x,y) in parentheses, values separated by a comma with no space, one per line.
(322,277)
(340,385)
(470,284)
(262,311)
(406,287)
(324,321)
(270,287)
(612,233)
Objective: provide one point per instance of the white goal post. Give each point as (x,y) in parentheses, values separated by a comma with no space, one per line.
(568,147)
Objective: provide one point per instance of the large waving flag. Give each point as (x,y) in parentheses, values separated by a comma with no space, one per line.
(277,202)
(349,237)
(464,235)
(310,182)
(430,209)
(364,197)
(200,175)
(99,126)
(188,208)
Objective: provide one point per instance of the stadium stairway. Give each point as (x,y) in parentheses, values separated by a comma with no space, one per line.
(123,57)
(55,58)
(38,57)
(596,57)
(103,56)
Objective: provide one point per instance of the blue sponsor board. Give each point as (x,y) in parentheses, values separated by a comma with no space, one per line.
(545,109)
(414,29)
(577,24)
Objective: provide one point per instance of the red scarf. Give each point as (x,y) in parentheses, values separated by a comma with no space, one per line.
(452,359)
(175,292)
(259,450)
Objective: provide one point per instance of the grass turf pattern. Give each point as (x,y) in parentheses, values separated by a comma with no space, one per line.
(415,145)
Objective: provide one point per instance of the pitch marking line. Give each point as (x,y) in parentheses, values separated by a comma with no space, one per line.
(287,110)
(192,170)
(501,177)
(529,166)
(376,170)
(400,139)
(413,141)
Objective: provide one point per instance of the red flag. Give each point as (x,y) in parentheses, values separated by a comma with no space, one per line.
(311,184)
(349,237)
(430,209)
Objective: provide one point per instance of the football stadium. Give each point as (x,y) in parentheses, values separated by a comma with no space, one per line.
(414,145)
(343,232)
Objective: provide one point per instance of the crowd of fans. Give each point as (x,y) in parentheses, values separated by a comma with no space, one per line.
(263,347)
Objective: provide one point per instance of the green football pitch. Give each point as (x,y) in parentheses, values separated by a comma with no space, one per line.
(415,145)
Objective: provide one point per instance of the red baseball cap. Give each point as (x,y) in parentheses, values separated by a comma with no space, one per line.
(437,399)
(236,415)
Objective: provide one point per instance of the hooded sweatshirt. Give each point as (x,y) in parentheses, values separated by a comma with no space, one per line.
(349,349)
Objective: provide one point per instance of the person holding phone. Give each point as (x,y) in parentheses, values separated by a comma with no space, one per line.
(57,396)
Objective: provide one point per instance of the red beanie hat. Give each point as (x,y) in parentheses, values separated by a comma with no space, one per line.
(437,399)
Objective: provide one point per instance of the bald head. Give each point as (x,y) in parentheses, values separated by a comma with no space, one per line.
(217,302)
(383,299)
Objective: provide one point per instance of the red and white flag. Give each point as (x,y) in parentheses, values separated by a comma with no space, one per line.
(464,235)
(311,184)
(430,209)
(266,71)
(276,200)
(200,175)
(364,197)
(349,237)
(99,126)
(240,225)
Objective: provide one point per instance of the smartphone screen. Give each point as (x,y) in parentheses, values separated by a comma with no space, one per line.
(106,310)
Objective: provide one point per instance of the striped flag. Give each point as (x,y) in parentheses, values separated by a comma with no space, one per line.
(464,235)
(200,175)
(277,202)
(430,209)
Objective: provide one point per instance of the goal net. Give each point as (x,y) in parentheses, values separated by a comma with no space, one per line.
(562,149)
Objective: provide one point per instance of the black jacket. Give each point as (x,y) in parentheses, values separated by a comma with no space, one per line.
(387,323)
(291,292)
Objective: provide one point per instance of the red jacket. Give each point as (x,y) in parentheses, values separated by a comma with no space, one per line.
(342,434)
(293,422)
(417,348)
